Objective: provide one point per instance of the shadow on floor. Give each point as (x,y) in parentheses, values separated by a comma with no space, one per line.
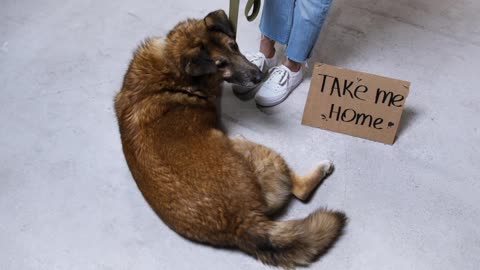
(409,116)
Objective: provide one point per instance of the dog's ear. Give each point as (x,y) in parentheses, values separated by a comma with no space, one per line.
(197,62)
(218,21)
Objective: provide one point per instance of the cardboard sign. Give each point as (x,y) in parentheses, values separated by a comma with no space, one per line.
(355,103)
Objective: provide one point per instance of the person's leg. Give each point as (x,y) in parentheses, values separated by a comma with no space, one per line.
(267,47)
(309,17)
(275,24)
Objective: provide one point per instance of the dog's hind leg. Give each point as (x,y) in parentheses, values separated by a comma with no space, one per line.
(275,177)
(304,185)
(271,171)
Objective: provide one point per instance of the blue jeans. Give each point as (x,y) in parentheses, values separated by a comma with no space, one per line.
(295,23)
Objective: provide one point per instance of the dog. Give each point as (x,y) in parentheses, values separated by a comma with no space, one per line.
(204,185)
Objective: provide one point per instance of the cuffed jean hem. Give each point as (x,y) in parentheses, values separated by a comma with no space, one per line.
(294,23)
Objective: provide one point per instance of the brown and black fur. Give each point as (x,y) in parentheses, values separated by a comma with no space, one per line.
(204,185)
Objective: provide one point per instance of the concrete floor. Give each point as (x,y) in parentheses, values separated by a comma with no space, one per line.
(67,200)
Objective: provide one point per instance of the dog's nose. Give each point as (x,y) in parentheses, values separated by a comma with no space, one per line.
(257,78)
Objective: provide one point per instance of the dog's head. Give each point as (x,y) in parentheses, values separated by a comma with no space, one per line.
(213,52)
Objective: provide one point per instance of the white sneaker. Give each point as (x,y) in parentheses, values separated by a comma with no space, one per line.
(278,86)
(262,62)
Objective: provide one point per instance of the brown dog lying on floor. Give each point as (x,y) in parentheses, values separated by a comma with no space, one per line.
(204,185)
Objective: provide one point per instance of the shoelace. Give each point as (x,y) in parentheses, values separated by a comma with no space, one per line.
(279,75)
(257,60)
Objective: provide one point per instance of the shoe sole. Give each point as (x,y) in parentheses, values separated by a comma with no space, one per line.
(273,103)
(276,102)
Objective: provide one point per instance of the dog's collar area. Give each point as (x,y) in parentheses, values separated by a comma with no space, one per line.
(197,94)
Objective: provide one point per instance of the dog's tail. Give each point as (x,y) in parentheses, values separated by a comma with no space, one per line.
(295,242)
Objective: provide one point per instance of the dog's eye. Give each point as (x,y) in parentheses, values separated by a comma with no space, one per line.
(233,46)
(221,63)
